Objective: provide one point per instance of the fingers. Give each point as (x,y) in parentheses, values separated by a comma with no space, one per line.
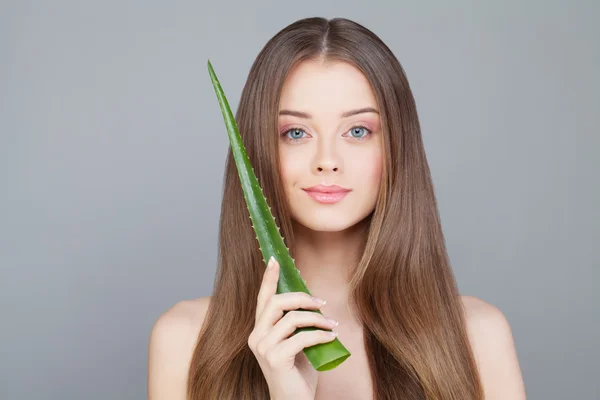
(277,318)
(268,286)
(291,347)
(287,325)
(275,308)
(278,304)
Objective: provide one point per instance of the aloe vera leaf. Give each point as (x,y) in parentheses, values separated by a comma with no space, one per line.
(322,356)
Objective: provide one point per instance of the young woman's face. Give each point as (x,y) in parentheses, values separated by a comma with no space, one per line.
(324,147)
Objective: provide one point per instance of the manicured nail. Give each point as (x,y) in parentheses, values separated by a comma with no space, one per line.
(332,333)
(319,301)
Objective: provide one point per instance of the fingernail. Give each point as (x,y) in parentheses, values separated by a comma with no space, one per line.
(270,263)
(333,321)
(332,333)
(273,261)
(318,300)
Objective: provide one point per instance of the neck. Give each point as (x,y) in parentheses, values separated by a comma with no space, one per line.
(325,260)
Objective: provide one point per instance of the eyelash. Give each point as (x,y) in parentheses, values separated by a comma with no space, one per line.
(284,134)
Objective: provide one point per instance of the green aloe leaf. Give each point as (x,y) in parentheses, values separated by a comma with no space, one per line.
(322,356)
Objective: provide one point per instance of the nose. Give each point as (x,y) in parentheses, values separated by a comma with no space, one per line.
(321,169)
(327,159)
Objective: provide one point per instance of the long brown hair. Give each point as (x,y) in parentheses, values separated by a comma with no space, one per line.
(403,288)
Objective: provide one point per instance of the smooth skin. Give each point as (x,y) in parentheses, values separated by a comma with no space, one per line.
(287,371)
(174,335)
(317,145)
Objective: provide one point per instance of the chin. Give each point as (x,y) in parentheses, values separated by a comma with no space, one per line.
(329,220)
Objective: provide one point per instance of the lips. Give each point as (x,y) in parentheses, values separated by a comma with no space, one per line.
(327,194)
(327,189)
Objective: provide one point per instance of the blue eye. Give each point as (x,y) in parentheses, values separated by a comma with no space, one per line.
(294,132)
(356,129)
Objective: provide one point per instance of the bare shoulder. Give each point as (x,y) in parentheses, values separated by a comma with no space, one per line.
(493,346)
(170,348)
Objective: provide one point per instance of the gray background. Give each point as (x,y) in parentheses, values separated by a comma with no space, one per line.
(113,146)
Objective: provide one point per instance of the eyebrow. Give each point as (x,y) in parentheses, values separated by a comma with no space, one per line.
(346,114)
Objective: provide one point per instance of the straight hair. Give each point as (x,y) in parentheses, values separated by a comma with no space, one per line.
(402,289)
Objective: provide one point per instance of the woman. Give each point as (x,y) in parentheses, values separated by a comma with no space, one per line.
(327,107)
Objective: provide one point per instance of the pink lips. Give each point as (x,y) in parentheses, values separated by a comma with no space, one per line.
(327,194)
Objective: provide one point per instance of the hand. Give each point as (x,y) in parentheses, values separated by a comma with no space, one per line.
(288,372)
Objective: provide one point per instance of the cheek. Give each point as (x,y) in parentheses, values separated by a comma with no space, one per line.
(377,167)
(372,168)
(288,168)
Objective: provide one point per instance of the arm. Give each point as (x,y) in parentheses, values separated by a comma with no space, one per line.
(494,349)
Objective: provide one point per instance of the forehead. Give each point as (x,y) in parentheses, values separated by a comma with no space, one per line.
(319,88)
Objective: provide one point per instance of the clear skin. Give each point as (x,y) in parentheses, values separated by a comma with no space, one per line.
(329,149)
(328,242)
(322,147)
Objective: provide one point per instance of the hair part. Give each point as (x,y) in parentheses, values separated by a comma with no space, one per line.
(403,289)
